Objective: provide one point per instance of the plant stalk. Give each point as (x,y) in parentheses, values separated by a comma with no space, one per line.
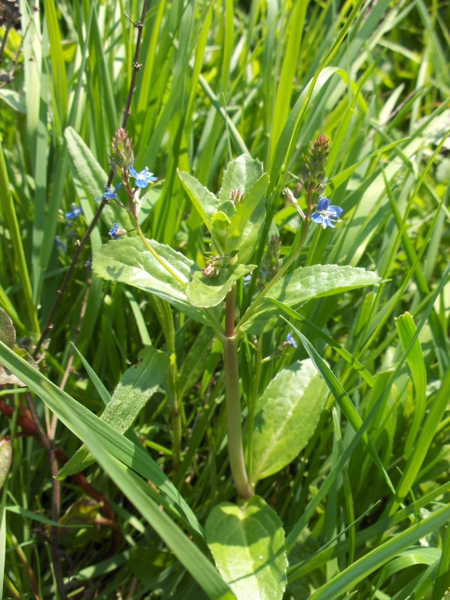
(233,402)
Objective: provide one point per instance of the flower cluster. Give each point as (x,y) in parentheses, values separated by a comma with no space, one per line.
(313,180)
(315,161)
(122,152)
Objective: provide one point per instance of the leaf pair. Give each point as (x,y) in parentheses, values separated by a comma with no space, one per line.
(235,216)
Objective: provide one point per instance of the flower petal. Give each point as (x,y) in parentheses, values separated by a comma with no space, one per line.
(323,204)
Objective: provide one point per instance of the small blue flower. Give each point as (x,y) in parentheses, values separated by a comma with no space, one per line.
(291,341)
(143,178)
(74,213)
(247,279)
(110,192)
(326,212)
(113,231)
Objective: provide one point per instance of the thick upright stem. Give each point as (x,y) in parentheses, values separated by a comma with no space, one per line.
(233,403)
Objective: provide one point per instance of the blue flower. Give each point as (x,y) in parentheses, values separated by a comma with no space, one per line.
(110,192)
(326,212)
(143,178)
(291,341)
(113,231)
(74,213)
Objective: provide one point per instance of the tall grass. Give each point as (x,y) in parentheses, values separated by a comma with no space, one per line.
(365,505)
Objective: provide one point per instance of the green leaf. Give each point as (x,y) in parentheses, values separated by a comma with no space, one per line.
(246,224)
(248,546)
(219,227)
(207,292)
(300,286)
(206,203)
(286,416)
(135,389)
(240,174)
(406,330)
(127,261)
(233,229)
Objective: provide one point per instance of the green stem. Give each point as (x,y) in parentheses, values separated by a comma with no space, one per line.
(233,402)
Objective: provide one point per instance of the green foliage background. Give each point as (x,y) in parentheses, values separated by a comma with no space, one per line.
(218,80)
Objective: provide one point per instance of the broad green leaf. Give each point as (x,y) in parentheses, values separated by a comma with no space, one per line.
(127,261)
(246,224)
(286,416)
(244,174)
(136,387)
(300,286)
(206,203)
(207,292)
(248,546)
(219,227)
(240,174)
(252,233)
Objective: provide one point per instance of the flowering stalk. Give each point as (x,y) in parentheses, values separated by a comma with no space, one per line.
(313,180)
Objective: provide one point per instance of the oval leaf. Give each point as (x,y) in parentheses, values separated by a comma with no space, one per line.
(246,224)
(241,174)
(127,261)
(286,416)
(303,284)
(204,201)
(248,546)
